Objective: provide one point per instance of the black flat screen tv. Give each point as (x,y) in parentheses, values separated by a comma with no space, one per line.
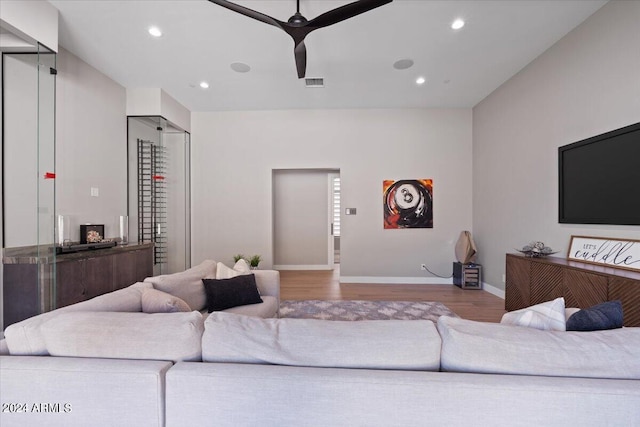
(599,179)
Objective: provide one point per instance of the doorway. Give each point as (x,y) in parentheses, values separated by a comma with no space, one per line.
(304,227)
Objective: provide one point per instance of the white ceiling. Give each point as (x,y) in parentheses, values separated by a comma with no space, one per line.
(355,57)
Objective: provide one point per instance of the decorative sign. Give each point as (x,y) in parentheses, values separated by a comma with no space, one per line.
(616,253)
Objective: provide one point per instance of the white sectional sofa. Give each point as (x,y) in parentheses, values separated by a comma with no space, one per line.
(27,338)
(235,370)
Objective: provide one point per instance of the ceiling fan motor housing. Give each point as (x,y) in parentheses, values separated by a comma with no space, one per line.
(297,19)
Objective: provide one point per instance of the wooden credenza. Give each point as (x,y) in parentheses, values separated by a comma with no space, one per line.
(531,281)
(80,276)
(84,277)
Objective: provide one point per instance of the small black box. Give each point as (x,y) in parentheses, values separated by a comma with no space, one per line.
(467,276)
(91,233)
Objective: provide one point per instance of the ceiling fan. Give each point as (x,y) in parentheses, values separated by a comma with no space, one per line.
(298,26)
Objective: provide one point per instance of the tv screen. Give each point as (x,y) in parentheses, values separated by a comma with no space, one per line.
(599,179)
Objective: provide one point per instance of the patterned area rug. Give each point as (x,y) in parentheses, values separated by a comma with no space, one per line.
(364,310)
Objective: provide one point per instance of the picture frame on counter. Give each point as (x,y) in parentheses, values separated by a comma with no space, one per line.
(91,233)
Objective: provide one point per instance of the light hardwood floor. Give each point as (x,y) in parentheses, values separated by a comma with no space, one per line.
(325,285)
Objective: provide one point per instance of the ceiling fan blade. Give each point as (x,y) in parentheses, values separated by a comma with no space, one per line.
(344,12)
(249,12)
(300,52)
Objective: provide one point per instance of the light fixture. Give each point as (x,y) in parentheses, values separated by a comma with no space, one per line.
(204,85)
(457,24)
(420,80)
(155,31)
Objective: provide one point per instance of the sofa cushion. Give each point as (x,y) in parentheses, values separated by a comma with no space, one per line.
(469,346)
(233,292)
(267,309)
(373,344)
(155,301)
(160,336)
(606,315)
(239,268)
(546,316)
(25,338)
(187,285)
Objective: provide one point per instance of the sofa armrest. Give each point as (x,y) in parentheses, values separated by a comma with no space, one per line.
(268,282)
(69,391)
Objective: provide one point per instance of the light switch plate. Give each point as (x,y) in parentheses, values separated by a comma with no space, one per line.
(350,211)
(95,192)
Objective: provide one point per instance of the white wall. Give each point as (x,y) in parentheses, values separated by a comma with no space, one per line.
(234,154)
(91,148)
(301,219)
(586,84)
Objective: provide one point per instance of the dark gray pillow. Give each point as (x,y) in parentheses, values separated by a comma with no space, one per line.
(227,293)
(606,315)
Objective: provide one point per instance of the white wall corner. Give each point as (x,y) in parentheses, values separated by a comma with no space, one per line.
(35,21)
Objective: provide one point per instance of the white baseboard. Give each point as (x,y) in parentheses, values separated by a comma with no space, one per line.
(493,290)
(397,280)
(303,267)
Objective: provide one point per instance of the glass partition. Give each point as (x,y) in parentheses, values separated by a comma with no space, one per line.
(159,190)
(28,178)
(46,147)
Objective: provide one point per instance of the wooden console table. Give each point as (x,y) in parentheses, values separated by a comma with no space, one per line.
(531,281)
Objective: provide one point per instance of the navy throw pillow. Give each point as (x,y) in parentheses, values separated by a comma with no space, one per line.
(606,315)
(228,293)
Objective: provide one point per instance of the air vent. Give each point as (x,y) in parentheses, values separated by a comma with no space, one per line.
(314,82)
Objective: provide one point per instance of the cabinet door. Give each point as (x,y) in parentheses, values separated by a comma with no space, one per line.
(21,298)
(132,267)
(517,286)
(98,276)
(546,282)
(627,291)
(144,263)
(583,289)
(125,270)
(69,283)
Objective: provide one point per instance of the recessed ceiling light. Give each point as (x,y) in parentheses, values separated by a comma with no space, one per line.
(457,24)
(204,85)
(155,31)
(403,64)
(240,67)
(420,80)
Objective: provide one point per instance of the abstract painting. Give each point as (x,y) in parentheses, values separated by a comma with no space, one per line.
(408,203)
